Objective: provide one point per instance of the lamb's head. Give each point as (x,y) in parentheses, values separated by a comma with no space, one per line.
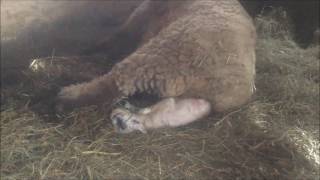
(125,122)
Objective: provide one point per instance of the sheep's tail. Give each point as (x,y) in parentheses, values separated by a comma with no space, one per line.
(97,91)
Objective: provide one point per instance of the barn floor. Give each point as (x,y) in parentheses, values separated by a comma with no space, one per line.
(275,136)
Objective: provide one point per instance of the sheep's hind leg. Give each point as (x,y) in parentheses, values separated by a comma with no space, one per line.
(170,112)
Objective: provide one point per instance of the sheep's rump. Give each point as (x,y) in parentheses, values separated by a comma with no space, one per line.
(200,49)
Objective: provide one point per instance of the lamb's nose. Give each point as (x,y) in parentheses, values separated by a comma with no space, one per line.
(120,123)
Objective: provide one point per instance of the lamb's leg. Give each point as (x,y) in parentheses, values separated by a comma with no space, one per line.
(169,112)
(99,90)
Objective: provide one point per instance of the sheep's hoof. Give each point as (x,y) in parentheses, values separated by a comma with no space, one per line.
(125,122)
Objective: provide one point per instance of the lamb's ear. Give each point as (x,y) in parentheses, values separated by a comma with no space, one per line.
(139,126)
(143,130)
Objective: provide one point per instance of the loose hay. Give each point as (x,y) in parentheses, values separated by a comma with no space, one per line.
(275,136)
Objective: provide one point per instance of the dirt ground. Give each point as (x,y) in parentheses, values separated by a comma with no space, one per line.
(274,136)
